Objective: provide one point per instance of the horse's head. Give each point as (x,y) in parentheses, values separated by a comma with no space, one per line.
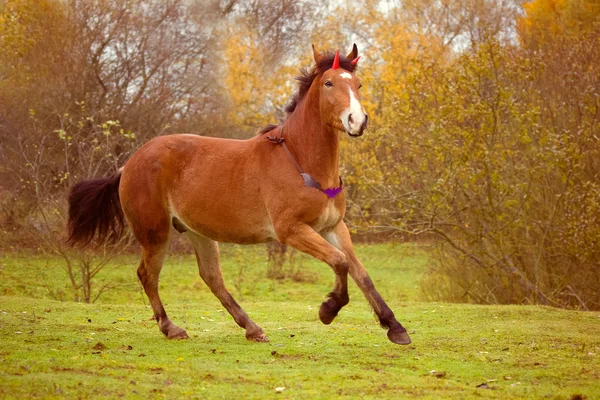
(339,99)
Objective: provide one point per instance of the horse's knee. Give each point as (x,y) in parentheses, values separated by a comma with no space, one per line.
(339,262)
(341,267)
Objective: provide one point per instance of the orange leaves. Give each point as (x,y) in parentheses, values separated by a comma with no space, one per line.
(547,20)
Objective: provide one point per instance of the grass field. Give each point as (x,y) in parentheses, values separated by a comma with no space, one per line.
(63,349)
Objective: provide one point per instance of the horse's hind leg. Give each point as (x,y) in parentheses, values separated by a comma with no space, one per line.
(207,255)
(148,272)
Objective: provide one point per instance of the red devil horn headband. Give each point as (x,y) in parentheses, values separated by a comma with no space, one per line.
(336,60)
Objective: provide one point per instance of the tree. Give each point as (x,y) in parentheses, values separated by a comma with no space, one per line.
(547,21)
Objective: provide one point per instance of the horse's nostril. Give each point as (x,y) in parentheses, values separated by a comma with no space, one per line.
(350,119)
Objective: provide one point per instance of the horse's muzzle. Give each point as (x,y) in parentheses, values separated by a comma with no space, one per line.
(362,128)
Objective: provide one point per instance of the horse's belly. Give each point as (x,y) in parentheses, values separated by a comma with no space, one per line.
(259,233)
(235,224)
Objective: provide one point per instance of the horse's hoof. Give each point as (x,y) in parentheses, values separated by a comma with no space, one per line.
(326,314)
(176,333)
(257,337)
(399,336)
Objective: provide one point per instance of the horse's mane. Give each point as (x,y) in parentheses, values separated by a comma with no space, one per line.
(306,78)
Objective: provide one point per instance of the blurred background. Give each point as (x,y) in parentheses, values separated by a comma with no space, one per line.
(483,144)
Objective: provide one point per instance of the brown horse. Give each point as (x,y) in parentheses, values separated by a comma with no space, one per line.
(243,191)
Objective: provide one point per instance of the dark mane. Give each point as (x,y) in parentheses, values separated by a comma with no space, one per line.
(266,128)
(308,76)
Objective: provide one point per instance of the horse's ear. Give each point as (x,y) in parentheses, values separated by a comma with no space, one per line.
(318,56)
(354,53)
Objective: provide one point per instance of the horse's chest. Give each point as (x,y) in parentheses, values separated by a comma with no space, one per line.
(330,216)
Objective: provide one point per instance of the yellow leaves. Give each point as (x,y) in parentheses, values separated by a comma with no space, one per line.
(545,20)
(526,139)
(62,135)
(255,88)
(511,203)
(127,134)
(22,27)
(106,127)
(61,178)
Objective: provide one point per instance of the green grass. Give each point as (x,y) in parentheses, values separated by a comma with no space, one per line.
(109,349)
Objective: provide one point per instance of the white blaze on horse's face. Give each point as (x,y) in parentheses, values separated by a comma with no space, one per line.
(354,117)
(340,104)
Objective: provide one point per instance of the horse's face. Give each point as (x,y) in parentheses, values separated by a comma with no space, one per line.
(338,95)
(340,102)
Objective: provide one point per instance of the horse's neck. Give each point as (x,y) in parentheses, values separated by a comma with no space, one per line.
(314,144)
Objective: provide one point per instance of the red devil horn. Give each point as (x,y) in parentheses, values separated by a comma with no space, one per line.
(355,61)
(336,60)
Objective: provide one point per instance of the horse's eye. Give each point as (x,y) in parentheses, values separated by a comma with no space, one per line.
(359,85)
(328,84)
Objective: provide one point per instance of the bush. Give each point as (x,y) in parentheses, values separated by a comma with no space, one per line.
(497,154)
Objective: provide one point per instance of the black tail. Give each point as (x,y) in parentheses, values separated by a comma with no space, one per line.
(95,208)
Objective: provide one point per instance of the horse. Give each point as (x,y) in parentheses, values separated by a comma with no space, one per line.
(243,191)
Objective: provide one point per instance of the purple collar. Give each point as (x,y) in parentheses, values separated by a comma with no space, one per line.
(332,192)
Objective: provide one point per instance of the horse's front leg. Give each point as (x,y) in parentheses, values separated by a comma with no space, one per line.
(305,239)
(396,332)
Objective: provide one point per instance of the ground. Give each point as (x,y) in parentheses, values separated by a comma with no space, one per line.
(52,349)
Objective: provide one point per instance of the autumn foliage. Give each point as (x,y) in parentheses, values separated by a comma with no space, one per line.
(484,119)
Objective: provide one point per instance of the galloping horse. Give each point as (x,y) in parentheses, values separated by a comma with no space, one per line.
(243,191)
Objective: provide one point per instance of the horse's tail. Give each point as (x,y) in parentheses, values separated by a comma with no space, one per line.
(95,208)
